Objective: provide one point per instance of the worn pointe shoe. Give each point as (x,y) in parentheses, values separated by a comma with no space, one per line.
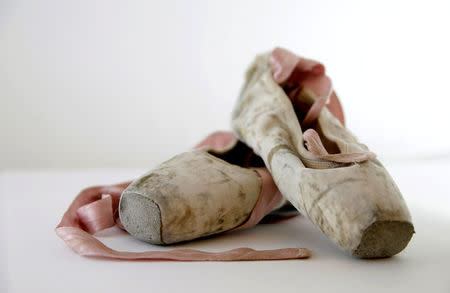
(218,187)
(199,193)
(318,165)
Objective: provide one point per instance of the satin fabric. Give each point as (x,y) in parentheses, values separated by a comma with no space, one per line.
(294,73)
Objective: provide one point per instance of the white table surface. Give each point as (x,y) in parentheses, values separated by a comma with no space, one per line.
(34,259)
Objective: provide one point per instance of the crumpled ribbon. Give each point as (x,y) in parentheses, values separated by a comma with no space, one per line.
(294,73)
(95,209)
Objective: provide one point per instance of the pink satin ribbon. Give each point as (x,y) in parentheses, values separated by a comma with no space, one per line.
(85,244)
(315,146)
(268,199)
(295,73)
(95,209)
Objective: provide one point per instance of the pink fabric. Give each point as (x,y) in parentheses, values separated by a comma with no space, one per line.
(219,140)
(86,213)
(98,215)
(315,146)
(269,198)
(85,244)
(295,73)
(314,112)
(95,209)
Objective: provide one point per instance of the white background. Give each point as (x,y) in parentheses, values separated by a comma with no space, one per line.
(131,83)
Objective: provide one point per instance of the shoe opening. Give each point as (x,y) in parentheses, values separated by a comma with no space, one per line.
(302,102)
(240,155)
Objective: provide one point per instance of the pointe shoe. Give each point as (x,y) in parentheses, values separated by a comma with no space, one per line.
(215,188)
(318,165)
(219,187)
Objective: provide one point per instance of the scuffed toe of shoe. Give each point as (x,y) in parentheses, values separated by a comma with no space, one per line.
(384,239)
(141,217)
